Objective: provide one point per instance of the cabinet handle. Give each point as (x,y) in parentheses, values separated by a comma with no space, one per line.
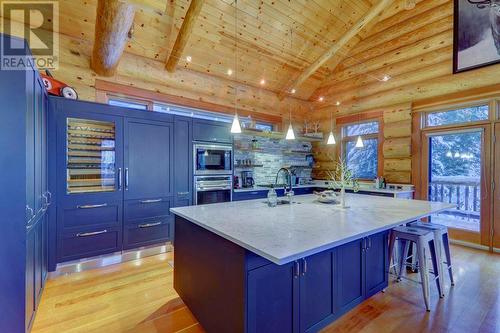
(304,269)
(119,179)
(369,242)
(91,206)
(126,179)
(297,269)
(86,234)
(363,245)
(149,225)
(182,193)
(151,201)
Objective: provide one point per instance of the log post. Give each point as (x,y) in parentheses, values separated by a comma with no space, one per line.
(114,20)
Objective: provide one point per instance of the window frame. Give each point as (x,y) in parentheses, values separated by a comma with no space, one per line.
(379,136)
(493,114)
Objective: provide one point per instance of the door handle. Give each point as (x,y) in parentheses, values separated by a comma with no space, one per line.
(91,206)
(369,242)
(150,201)
(126,179)
(86,234)
(297,269)
(182,193)
(119,179)
(304,268)
(149,225)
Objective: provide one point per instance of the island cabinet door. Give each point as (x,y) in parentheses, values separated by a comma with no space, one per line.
(376,263)
(272,299)
(317,291)
(349,275)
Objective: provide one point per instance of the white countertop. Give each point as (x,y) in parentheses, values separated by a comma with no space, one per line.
(289,232)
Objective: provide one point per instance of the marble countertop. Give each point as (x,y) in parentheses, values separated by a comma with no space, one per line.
(285,233)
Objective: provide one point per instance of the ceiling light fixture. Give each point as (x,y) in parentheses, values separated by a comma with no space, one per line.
(359,142)
(235,126)
(262,82)
(229,72)
(293,91)
(290,135)
(386,78)
(188,58)
(331,137)
(337,103)
(321,99)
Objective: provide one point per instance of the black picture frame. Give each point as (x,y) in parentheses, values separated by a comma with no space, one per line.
(456,27)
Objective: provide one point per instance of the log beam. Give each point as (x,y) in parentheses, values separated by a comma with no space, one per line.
(114,19)
(184,34)
(348,36)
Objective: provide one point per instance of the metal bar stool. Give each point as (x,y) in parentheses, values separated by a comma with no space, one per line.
(442,243)
(424,240)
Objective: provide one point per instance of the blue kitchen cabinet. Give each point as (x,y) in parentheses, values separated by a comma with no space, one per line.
(376,263)
(25,201)
(273,299)
(183,161)
(148,159)
(317,291)
(350,282)
(212,131)
(363,270)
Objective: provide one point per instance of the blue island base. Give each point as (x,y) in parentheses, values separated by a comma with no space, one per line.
(230,289)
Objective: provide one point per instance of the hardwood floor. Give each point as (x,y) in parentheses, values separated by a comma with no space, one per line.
(138,296)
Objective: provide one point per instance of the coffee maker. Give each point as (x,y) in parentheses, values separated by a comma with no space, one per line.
(247,179)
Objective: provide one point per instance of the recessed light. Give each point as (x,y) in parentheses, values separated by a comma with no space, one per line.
(293,91)
(386,78)
(338,103)
(321,99)
(229,72)
(262,82)
(188,58)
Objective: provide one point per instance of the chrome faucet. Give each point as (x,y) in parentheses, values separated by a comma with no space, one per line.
(288,192)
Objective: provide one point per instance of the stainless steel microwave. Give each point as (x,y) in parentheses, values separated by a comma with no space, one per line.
(212,159)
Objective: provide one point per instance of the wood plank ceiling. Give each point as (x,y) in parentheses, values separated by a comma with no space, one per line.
(277,39)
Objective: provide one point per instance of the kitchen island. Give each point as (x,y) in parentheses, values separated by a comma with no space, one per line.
(247,267)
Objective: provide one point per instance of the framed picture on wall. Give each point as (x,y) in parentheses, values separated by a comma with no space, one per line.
(476,34)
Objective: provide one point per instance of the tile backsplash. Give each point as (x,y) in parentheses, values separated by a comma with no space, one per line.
(267,155)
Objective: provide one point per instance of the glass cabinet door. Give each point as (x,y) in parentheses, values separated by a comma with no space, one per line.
(91,156)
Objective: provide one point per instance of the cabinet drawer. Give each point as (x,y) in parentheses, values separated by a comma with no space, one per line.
(89,243)
(147,233)
(211,131)
(138,210)
(239,196)
(89,215)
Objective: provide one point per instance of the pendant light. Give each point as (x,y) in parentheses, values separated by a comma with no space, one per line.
(236,127)
(290,135)
(359,141)
(331,137)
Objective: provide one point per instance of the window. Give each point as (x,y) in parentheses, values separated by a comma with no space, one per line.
(463,115)
(363,162)
(128,103)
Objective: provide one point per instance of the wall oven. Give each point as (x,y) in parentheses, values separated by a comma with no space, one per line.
(210,159)
(212,189)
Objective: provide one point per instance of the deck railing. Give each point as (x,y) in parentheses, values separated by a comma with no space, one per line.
(466,195)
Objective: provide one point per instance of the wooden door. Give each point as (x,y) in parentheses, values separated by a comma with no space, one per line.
(273,299)
(317,293)
(148,159)
(496,195)
(470,220)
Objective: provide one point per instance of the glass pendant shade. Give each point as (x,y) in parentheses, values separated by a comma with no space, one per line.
(290,135)
(331,139)
(359,142)
(236,127)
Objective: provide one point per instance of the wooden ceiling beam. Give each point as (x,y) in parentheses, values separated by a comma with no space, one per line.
(114,19)
(348,36)
(184,34)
